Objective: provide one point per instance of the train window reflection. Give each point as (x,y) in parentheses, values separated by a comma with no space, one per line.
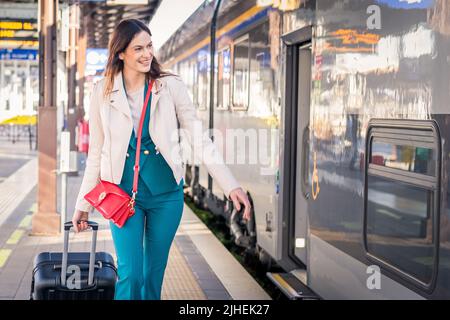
(187,71)
(399,226)
(402,198)
(223,79)
(261,77)
(241,73)
(404,157)
(203,83)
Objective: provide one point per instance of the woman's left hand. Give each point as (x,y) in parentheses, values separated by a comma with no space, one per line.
(238,196)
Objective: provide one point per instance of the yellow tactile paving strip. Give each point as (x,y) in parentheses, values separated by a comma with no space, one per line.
(179,282)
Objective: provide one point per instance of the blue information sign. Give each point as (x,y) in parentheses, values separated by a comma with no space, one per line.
(18,54)
(408,4)
(96,59)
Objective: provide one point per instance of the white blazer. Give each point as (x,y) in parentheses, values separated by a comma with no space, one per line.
(110,128)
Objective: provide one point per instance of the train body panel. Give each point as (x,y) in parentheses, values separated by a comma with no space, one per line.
(344,276)
(381,62)
(355,97)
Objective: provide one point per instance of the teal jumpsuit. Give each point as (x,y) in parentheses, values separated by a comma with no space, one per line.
(142,244)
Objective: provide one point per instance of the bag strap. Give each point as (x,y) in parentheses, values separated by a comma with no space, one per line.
(138,148)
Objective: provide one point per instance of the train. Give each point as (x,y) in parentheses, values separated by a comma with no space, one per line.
(345,104)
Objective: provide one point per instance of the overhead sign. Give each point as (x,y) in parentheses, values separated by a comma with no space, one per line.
(126,2)
(96,59)
(19,43)
(18,32)
(119,2)
(26,24)
(18,54)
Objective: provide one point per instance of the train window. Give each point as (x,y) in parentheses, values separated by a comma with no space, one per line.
(184,72)
(203,82)
(193,76)
(404,157)
(402,197)
(223,79)
(261,76)
(241,73)
(400,226)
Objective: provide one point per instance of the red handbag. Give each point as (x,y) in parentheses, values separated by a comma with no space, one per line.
(108,198)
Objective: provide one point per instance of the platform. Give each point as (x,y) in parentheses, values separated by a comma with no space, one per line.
(199,266)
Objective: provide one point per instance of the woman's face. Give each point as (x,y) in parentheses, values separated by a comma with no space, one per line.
(139,53)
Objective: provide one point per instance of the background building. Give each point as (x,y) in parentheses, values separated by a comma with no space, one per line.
(19,72)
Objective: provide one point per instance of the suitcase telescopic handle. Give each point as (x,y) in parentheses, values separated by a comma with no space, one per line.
(67,227)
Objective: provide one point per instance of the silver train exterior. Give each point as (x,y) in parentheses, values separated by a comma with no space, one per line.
(349,104)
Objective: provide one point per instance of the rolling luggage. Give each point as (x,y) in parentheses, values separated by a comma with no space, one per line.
(74,275)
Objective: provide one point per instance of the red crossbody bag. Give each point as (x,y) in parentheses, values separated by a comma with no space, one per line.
(108,198)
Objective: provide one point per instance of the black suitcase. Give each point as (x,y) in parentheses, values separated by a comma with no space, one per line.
(90,276)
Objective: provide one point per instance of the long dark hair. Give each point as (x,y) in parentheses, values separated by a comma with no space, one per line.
(125,31)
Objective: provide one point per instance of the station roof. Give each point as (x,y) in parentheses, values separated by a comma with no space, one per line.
(103,16)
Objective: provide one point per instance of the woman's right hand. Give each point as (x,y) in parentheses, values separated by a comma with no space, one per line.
(81,216)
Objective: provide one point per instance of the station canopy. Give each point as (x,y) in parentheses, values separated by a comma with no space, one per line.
(103,16)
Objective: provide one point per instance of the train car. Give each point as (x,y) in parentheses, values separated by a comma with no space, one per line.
(340,127)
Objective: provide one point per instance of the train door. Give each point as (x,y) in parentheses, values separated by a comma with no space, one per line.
(295,165)
(302,194)
(295,155)
(295,168)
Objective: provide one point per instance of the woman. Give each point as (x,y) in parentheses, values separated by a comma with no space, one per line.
(142,244)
